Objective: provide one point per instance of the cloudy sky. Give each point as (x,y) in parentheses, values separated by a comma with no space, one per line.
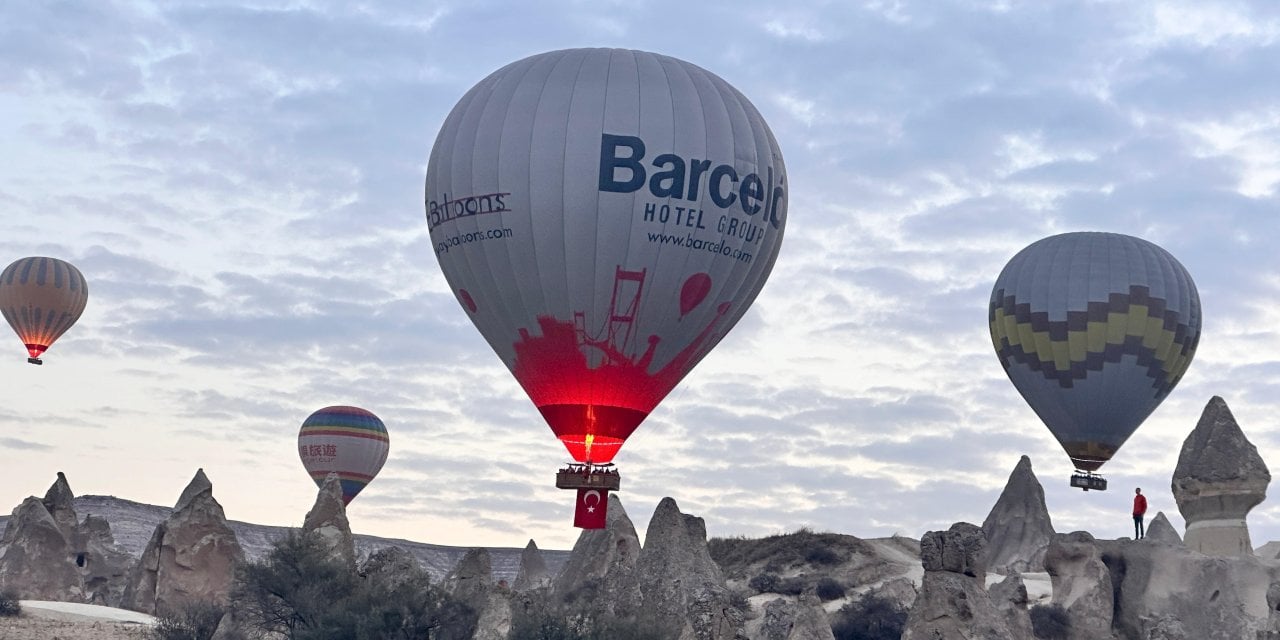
(242,187)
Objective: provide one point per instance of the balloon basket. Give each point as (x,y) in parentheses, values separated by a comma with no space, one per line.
(588,476)
(35,360)
(1088,480)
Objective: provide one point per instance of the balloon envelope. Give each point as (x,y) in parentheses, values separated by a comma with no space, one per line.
(41,298)
(574,197)
(348,441)
(1094,330)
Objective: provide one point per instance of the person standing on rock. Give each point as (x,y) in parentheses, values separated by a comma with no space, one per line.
(1139,510)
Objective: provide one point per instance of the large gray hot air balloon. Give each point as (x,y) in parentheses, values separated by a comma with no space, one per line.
(1094,330)
(604,216)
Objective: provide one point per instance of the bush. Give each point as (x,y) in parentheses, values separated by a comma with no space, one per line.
(195,621)
(552,626)
(299,591)
(1050,622)
(9,605)
(542,626)
(821,555)
(828,589)
(765,583)
(870,617)
(792,586)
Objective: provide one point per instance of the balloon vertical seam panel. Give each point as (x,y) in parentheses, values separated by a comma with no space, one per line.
(486,169)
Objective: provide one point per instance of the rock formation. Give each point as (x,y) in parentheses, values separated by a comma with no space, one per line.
(953,603)
(494,622)
(392,567)
(1010,597)
(472,579)
(58,501)
(328,519)
(191,556)
(1160,530)
(1219,478)
(678,582)
(799,619)
(533,572)
(1081,584)
(471,583)
(103,565)
(961,549)
(1018,529)
(38,562)
(901,592)
(601,569)
(48,555)
(1168,591)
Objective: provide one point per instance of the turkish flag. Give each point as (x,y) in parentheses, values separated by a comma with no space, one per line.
(592,504)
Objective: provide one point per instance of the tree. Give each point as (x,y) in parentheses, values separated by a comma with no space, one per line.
(870,617)
(301,591)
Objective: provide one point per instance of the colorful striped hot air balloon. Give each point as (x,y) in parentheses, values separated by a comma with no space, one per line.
(1094,330)
(41,298)
(348,441)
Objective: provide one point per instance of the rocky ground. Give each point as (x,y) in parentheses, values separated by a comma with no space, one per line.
(63,621)
(33,628)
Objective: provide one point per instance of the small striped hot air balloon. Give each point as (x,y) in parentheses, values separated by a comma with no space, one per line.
(41,298)
(349,441)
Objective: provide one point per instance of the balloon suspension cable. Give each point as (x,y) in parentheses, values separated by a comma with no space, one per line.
(1087,480)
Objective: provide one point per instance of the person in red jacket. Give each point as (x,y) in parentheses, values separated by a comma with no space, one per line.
(1139,510)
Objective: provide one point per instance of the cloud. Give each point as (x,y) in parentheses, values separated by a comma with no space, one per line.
(23,445)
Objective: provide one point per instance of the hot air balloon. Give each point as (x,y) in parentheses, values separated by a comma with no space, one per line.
(348,441)
(604,216)
(1094,330)
(41,298)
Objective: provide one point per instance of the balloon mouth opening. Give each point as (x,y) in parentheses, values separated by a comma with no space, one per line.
(592,433)
(1089,456)
(592,449)
(1088,463)
(34,350)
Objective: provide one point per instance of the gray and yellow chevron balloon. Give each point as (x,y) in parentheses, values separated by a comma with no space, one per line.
(1094,330)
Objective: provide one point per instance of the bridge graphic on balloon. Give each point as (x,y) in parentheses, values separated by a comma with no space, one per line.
(595,387)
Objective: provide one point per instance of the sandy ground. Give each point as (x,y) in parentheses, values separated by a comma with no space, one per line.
(70,621)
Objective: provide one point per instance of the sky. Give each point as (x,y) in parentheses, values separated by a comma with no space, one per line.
(241,185)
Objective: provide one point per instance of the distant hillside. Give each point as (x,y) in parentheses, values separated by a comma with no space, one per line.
(798,560)
(132,524)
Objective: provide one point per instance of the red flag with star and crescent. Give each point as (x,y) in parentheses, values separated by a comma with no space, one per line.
(592,504)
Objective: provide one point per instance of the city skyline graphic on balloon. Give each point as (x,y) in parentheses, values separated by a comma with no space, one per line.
(604,216)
